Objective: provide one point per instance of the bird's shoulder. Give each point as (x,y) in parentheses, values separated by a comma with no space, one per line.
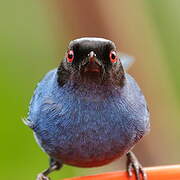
(137,107)
(42,95)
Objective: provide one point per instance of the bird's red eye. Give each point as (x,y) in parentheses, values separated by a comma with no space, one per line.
(113,56)
(70,56)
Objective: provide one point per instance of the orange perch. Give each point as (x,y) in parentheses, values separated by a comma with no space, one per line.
(154,173)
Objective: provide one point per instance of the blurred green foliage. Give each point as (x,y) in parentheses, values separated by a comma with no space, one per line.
(165,14)
(27,52)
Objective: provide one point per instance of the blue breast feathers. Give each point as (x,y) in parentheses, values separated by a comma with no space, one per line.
(90,125)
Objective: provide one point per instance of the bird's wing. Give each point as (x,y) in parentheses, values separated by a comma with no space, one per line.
(39,95)
(126,60)
(28,122)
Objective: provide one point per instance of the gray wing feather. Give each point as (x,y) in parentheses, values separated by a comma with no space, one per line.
(126,60)
(28,123)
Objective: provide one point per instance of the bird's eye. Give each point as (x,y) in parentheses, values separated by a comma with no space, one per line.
(113,56)
(70,56)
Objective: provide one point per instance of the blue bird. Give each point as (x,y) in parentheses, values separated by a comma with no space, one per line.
(89,111)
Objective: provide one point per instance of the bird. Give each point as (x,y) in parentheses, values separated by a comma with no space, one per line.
(89,111)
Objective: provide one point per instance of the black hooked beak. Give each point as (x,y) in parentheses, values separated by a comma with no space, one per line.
(92,58)
(92,63)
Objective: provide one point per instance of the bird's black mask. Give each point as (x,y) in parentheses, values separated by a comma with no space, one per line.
(91,60)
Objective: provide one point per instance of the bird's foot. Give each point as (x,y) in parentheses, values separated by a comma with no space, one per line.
(41,176)
(54,165)
(133,163)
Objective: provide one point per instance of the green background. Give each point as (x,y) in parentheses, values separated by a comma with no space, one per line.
(27,51)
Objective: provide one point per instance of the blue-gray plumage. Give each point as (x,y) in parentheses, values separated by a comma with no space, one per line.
(89,111)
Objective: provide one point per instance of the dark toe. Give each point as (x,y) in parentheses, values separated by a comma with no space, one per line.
(133,164)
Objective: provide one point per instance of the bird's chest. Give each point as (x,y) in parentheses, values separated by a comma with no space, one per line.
(88,127)
(84,117)
(87,130)
(85,124)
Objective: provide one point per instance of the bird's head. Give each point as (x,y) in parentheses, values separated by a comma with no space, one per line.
(91,60)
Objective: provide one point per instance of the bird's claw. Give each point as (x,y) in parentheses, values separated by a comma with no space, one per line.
(133,164)
(41,176)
